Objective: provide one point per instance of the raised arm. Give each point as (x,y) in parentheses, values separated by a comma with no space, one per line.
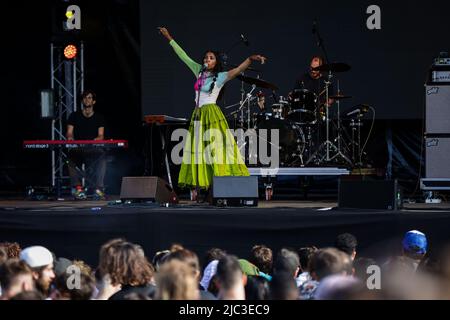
(233,73)
(194,66)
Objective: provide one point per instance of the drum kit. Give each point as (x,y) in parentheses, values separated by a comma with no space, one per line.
(308,136)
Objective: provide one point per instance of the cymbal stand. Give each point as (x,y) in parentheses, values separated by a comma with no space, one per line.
(246,101)
(327,144)
(241,119)
(339,133)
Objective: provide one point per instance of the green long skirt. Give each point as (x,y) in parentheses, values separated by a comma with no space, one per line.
(210,150)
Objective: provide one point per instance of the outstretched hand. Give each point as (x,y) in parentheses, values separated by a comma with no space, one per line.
(165,33)
(257,57)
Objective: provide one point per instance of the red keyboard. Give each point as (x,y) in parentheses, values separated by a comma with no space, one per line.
(163,119)
(74,144)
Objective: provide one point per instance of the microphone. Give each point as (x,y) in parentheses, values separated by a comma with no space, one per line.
(244,40)
(204,67)
(353,112)
(314,28)
(361,108)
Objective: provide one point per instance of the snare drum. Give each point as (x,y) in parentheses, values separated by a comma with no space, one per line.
(280,110)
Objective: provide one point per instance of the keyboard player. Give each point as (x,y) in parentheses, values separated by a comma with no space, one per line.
(86,124)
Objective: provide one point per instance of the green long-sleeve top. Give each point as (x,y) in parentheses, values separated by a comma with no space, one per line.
(194,66)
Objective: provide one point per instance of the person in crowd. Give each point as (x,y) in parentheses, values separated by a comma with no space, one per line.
(3,255)
(66,288)
(257,288)
(287,261)
(415,246)
(176,281)
(324,263)
(29,296)
(159,258)
(15,277)
(305,255)
(208,275)
(339,287)
(283,287)
(230,279)
(262,257)
(347,243)
(214,254)
(40,260)
(12,249)
(191,259)
(124,269)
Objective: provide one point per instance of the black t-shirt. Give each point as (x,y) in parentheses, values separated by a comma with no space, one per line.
(85,128)
(145,290)
(314,85)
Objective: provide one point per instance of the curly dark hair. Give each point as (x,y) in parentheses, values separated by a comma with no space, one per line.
(87,92)
(12,249)
(125,263)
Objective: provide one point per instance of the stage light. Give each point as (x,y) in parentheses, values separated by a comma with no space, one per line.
(69,14)
(70,51)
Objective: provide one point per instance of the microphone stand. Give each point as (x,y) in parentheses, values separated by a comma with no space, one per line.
(327,143)
(320,44)
(196,119)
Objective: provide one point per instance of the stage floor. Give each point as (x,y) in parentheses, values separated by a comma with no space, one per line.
(274,204)
(77,229)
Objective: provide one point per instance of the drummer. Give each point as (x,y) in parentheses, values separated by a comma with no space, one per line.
(314,81)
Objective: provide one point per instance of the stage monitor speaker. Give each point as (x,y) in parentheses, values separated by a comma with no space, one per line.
(152,189)
(437,109)
(437,151)
(235,191)
(370,194)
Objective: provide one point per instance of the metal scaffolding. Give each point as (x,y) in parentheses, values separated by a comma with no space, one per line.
(67,82)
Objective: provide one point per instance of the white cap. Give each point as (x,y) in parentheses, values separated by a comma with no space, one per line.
(36,256)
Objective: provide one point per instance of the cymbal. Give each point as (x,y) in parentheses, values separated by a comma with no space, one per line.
(258,82)
(333,67)
(340,97)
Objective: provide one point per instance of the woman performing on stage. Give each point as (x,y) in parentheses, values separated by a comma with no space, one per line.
(210,149)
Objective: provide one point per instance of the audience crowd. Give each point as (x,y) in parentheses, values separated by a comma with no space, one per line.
(126,272)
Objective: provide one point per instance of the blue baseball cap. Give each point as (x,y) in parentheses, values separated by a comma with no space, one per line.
(415,242)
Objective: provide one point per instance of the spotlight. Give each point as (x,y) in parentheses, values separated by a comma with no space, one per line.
(70,51)
(69,14)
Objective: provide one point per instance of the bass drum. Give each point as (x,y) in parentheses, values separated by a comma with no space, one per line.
(291,138)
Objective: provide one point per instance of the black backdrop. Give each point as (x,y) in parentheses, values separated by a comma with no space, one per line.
(388,71)
(389,66)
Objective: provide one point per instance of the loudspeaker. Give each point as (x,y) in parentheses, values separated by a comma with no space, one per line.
(370,194)
(437,106)
(152,189)
(235,191)
(437,151)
